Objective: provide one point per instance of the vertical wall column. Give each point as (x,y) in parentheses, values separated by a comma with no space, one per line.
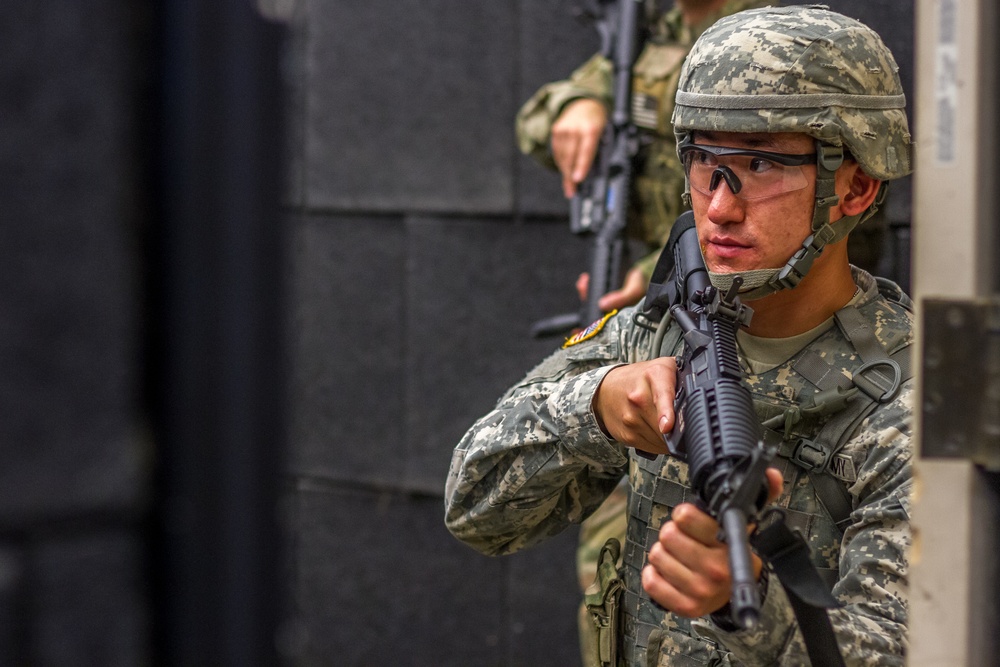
(957,499)
(215,361)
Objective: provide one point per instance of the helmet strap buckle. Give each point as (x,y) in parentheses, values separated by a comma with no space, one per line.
(829,158)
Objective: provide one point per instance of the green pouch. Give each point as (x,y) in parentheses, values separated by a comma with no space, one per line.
(603,600)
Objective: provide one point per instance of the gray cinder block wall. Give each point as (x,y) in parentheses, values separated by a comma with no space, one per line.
(424,247)
(72,479)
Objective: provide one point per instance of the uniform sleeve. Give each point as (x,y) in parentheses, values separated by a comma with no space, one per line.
(538,462)
(870,625)
(533,124)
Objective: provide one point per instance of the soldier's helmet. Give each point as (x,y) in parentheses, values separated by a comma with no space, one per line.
(799,69)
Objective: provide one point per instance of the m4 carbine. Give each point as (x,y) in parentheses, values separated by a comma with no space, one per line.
(600,205)
(717,430)
(719,435)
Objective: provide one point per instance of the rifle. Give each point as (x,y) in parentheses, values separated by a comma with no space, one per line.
(718,433)
(717,430)
(600,204)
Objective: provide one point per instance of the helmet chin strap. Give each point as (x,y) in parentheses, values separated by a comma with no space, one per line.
(764,282)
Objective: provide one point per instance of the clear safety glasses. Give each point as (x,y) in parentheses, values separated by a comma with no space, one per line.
(750,174)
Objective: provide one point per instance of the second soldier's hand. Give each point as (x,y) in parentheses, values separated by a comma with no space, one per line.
(630,293)
(575,137)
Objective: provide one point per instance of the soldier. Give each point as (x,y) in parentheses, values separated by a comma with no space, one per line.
(789,121)
(561,125)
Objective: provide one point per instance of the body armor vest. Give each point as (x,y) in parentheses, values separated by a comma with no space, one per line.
(876,333)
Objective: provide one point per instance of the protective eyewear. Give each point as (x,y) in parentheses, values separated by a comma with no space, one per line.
(750,174)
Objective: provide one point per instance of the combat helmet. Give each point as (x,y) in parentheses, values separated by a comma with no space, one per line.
(800,69)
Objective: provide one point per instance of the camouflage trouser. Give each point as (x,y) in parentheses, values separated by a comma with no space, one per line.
(608,521)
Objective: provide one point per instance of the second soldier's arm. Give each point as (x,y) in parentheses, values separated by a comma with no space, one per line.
(534,121)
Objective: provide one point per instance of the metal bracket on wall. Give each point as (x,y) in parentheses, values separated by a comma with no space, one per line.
(961,380)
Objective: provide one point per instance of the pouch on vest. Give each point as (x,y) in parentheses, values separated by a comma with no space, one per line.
(603,600)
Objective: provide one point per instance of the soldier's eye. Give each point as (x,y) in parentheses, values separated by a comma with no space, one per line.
(759,165)
(705,159)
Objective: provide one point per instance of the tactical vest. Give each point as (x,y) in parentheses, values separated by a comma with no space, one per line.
(810,406)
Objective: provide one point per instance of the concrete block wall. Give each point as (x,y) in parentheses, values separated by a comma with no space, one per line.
(417,273)
(72,479)
(424,247)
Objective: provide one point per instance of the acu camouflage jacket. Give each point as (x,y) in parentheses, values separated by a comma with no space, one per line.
(539,462)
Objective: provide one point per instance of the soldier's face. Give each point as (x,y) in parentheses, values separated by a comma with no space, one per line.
(739,234)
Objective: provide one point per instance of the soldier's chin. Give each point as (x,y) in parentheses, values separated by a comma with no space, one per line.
(752,280)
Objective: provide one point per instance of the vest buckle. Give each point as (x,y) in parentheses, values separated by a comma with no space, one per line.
(810,456)
(879,379)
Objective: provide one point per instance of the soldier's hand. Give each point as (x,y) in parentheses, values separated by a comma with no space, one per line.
(634,404)
(575,136)
(632,290)
(688,570)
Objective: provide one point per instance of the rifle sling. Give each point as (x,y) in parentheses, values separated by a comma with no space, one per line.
(788,555)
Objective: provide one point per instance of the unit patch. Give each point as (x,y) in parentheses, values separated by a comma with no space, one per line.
(589,332)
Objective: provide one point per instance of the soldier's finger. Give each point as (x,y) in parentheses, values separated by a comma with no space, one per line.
(564,148)
(775,483)
(569,187)
(582,285)
(663,382)
(585,151)
(695,524)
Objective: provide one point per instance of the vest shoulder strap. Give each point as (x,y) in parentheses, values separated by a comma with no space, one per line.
(874,382)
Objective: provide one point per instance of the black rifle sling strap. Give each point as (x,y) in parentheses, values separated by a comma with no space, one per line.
(663,290)
(788,555)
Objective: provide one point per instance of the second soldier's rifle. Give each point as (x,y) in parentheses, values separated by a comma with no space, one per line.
(600,205)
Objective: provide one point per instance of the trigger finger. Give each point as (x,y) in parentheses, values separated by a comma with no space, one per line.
(584,157)
(662,388)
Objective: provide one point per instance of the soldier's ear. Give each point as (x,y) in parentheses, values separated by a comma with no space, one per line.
(860,192)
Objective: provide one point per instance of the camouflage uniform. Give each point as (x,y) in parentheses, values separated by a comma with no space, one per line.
(659,179)
(539,462)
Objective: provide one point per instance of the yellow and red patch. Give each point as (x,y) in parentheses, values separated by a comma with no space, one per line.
(589,332)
